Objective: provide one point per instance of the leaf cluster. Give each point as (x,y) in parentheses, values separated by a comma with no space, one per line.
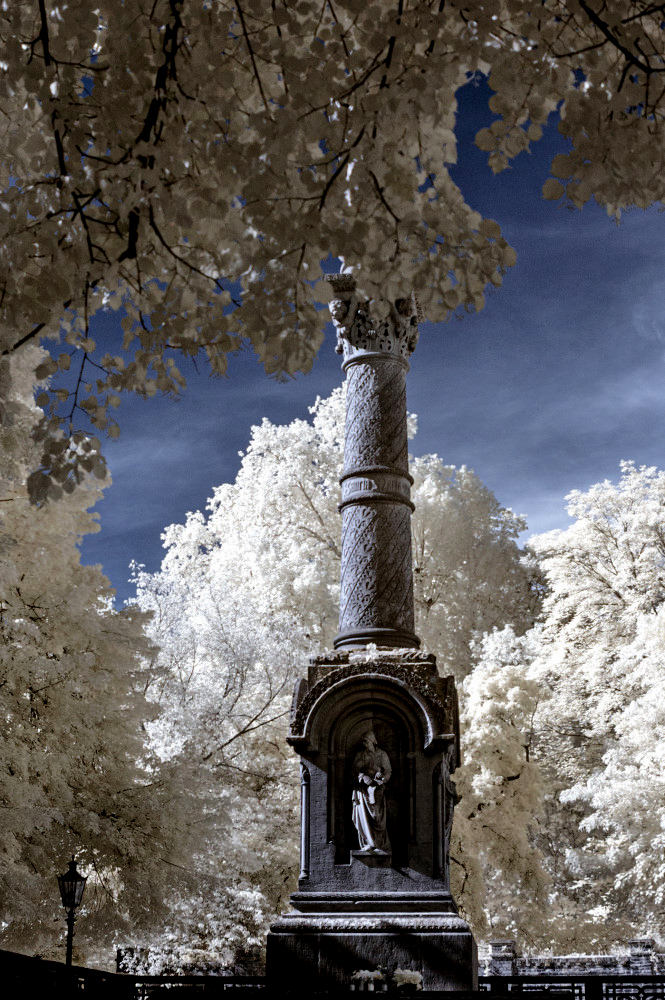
(192,163)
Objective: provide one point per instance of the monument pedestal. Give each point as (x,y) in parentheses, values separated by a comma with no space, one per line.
(360,907)
(322,951)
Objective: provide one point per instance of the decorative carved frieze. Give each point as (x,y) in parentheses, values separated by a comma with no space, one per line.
(373,485)
(336,657)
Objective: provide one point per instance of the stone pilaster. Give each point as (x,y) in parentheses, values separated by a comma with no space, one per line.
(641,956)
(503,958)
(376,582)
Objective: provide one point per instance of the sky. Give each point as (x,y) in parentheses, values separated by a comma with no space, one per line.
(545,390)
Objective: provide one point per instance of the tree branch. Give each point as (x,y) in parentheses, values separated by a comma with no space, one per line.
(604,29)
(251,54)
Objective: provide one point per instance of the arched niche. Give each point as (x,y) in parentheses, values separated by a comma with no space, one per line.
(338,724)
(395,736)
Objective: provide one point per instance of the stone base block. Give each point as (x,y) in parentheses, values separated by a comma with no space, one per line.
(307,952)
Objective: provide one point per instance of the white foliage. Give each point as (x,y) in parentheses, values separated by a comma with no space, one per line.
(626,795)
(600,726)
(494,861)
(76,774)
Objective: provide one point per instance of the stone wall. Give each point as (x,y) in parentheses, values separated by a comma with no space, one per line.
(639,958)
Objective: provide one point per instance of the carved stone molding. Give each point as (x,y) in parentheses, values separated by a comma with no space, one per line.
(335,657)
(357,331)
(356,923)
(320,952)
(439,708)
(304,821)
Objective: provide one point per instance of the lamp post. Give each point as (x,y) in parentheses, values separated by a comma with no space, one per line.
(71,885)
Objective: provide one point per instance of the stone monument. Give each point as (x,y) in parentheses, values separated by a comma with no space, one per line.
(375,725)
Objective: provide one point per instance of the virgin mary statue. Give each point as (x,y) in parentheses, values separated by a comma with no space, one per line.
(370,773)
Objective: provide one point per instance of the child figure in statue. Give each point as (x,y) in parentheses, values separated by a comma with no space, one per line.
(371,772)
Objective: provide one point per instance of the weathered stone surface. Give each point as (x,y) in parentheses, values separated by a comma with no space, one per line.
(357,331)
(638,959)
(353,909)
(414,715)
(323,951)
(375,431)
(642,956)
(503,958)
(376,581)
(406,671)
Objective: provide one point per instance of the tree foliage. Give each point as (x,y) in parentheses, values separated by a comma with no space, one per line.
(77,775)
(223,684)
(167,771)
(600,669)
(500,874)
(192,163)
(592,682)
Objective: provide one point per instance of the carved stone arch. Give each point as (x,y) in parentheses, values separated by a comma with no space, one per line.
(341,690)
(334,727)
(376,694)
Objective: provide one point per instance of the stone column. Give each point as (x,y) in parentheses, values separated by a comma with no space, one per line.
(376,581)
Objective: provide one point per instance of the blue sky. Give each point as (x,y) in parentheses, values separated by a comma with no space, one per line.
(544,391)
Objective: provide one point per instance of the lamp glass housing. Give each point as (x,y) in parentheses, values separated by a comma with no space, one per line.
(71,884)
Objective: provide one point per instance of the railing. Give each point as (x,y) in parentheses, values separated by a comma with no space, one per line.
(21,974)
(194,986)
(577,987)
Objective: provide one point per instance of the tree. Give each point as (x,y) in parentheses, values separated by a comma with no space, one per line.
(225,680)
(191,164)
(77,775)
(470,576)
(625,796)
(599,726)
(500,873)
(243,597)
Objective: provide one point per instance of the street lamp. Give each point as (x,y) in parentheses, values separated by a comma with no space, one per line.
(71,884)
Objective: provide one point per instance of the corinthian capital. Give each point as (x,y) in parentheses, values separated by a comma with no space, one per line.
(358,332)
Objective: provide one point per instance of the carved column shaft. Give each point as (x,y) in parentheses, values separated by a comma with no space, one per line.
(376,583)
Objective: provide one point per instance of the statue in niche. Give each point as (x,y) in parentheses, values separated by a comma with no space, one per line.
(370,774)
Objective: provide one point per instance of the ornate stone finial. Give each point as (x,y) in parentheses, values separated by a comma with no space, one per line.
(357,332)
